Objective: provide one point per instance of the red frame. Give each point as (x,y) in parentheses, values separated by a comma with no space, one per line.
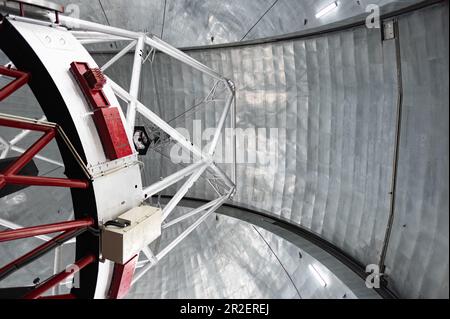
(71,229)
(56,279)
(14,234)
(122,278)
(21,78)
(9,174)
(37,252)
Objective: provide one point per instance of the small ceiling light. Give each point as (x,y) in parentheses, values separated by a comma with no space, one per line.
(327,9)
(317,275)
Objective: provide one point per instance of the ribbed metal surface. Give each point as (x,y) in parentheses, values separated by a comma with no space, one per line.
(191,23)
(417,257)
(223,258)
(334,101)
(228,258)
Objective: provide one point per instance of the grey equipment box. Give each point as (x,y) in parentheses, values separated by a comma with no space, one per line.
(121,244)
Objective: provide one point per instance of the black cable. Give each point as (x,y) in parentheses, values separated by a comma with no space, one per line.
(116,223)
(104,13)
(270,8)
(279,261)
(164,19)
(106,17)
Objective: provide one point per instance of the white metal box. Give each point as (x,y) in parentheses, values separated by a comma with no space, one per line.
(120,244)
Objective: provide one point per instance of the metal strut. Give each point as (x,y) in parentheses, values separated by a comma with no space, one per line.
(10,175)
(20,79)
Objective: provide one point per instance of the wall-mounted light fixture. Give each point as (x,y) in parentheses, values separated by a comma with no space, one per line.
(327,9)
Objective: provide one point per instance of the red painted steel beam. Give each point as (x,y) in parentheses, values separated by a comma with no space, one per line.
(55,280)
(33,231)
(37,252)
(8,176)
(20,79)
(28,155)
(11,72)
(44,181)
(122,278)
(25,125)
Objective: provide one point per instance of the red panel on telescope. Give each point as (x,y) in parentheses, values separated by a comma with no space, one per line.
(107,119)
(91,82)
(112,133)
(122,277)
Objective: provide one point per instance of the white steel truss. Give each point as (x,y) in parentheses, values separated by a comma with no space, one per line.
(88,33)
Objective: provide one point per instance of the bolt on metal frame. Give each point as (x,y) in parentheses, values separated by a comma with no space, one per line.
(88,33)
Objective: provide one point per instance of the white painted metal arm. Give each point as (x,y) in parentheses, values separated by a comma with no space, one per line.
(192,212)
(155,119)
(171,179)
(119,55)
(6,147)
(149,254)
(42,158)
(184,234)
(153,41)
(182,191)
(162,46)
(134,84)
(177,240)
(222,175)
(102,37)
(78,24)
